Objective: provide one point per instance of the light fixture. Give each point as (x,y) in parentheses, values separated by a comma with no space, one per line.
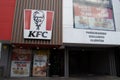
(37,47)
(21,47)
(54,48)
(13,45)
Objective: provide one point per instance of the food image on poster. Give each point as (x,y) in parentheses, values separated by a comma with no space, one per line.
(40,65)
(20,65)
(20,69)
(92,17)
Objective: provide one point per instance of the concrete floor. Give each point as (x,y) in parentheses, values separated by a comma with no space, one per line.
(70,78)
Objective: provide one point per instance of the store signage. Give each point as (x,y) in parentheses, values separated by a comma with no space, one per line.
(38,24)
(95,36)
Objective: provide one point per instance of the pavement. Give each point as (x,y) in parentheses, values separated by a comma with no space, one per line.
(69,78)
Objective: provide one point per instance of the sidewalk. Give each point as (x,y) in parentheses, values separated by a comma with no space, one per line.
(70,78)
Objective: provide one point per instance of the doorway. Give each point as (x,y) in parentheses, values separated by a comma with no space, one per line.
(56,68)
(87,62)
(117,60)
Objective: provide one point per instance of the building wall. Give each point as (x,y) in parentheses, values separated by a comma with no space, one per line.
(4,60)
(18,25)
(82,35)
(6,19)
(116,9)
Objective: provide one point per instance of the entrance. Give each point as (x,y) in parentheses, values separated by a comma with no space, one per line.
(56,68)
(87,62)
(117,56)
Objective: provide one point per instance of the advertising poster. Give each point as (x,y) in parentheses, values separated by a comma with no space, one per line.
(20,65)
(20,68)
(93,17)
(40,64)
(38,24)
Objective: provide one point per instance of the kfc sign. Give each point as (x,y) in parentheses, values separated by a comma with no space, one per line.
(38,24)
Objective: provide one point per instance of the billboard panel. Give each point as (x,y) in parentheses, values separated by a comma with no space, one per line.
(87,16)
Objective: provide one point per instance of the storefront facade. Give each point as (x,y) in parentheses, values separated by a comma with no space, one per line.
(55,38)
(39,28)
(36,34)
(93,42)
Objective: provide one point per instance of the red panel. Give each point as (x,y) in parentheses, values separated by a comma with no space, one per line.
(49,20)
(7,8)
(27,19)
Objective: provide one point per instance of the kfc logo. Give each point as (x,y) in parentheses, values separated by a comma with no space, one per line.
(38,17)
(38,24)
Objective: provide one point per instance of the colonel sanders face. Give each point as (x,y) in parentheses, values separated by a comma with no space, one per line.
(38,17)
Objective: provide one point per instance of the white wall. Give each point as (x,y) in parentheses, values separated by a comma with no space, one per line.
(72,35)
(116,10)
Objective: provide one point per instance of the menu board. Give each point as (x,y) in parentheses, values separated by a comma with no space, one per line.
(92,17)
(40,63)
(20,65)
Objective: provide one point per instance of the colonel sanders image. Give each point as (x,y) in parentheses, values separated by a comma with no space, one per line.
(38,17)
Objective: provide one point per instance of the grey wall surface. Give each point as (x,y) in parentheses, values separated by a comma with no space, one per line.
(4,60)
